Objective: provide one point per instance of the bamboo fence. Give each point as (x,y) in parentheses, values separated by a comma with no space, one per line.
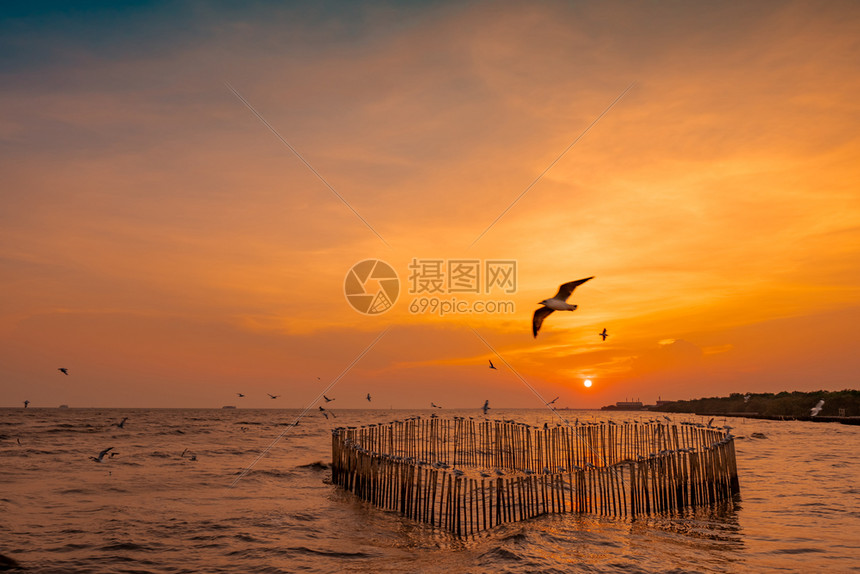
(466,476)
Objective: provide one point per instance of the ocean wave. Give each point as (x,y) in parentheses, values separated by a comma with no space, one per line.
(268,473)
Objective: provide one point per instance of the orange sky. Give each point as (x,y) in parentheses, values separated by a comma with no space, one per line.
(162,244)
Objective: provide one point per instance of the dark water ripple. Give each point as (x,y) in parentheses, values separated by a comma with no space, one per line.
(152,510)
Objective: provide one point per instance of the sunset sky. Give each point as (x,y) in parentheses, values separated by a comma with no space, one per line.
(163,244)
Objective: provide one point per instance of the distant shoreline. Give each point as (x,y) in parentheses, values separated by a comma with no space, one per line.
(828,406)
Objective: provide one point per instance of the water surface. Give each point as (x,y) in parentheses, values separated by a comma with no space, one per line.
(151,509)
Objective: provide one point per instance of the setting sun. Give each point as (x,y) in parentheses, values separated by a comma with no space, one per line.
(587,382)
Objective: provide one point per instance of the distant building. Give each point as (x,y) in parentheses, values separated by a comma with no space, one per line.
(625,406)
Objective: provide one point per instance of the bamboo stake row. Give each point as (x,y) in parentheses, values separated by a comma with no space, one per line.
(466,476)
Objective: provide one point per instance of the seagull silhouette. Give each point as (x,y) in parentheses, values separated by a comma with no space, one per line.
(368,397)
(327,413)
(101,454)
(121,424)
(486,406)
(273,396)
(553,401)
(557,303)
(64,370)
(240,394)
(328,400)
(435,406)
(26,403)
(492,366)
(603,333)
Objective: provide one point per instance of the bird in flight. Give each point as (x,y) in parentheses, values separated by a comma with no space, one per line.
(26,403)
(121,424)
(817,408)
(64,370)
(557,303)
(435,406)
(486,406)
(368,397)
(273,396)
(492,366)
(240,394)
(603,333)
(328,400)
(327,413)
(101,454)
(553,401)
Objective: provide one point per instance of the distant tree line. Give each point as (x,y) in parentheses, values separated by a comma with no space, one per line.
(794,404)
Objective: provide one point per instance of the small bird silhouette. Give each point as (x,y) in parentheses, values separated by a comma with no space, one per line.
(553,401)
(327,413)
(486,406)
(328,400)
(435,406)
(101,454)
(556,303)
(816,409)
(603,333)
(26,403)
(240,394)
(121,424)
(368,397)
(273,396)
(492,366)
(64,370)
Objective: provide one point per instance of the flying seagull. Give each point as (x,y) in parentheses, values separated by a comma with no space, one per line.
(817,408)
(557,303)
(435,406)
(552,401)
(368,397)
(492,366)
(121,424)
(240,394)
(273,396)
(603,333)
(328,400)
(26,403)
(101,454)
(486,406)
(327,413)
(64,370)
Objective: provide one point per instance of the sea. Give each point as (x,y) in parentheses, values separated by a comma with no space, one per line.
(166,499)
